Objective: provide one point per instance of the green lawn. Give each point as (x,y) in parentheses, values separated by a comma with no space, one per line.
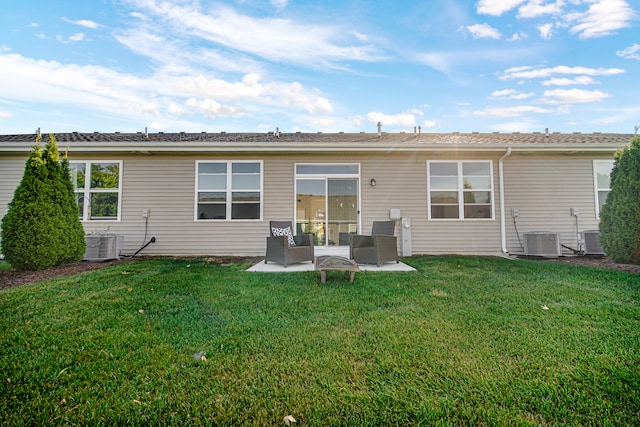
(462,341)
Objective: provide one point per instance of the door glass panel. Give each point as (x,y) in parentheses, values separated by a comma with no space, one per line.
(310,208)
(343,213)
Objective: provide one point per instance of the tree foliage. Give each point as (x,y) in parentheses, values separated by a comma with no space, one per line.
(620,215)
(41,228)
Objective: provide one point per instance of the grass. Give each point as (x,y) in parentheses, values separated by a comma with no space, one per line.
(463,341)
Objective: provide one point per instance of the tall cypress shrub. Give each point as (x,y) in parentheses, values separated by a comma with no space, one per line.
(620,215)
(42,228)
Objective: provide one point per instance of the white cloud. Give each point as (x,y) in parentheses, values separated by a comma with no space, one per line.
(138,15)
(546,31)
(573,96)
(360,36)
(322,123)
(518,36)
(77,37)
(84,23)
(511,111)
(497,7)
(604,17)
(279,3)
(601,17)
(445,62)
(510,94)
(210,108)
(294,95)
(174,56)
(90,87)
(632,52)
(438,61)
(5,115)
(101,89)
(273,39)
(581,80)
(357,120)
(537,8)
(248,87)
(528,72)
(483,31)
(429,124)
(401,119)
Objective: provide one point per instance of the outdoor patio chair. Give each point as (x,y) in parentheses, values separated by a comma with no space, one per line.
(285,248)
(380,247)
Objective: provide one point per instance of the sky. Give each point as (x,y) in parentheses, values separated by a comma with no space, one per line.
(319,66)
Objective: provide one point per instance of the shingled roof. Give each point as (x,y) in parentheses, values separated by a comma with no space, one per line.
(298,141)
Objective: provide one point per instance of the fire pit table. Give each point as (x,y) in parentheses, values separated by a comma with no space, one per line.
(325,263)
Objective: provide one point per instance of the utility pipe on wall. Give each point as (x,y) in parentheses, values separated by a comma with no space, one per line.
(503,227)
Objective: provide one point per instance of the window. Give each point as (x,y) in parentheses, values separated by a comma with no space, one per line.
(602,181)
(228,190)
(98,189)
(460,190)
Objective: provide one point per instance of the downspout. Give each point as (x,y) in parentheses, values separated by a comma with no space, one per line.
(503,227)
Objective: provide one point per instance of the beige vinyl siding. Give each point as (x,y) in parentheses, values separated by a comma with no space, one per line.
(166,186)
(11,171)
(460,236)
(544,188)
(402,184)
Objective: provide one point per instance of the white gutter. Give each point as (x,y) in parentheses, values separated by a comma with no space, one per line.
(503,227)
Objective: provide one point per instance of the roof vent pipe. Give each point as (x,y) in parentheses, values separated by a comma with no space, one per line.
(277,132)
(415,130)
(146,132)
(546,132)
(379,129)
(419,129)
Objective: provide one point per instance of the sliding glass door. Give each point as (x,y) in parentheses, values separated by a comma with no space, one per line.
(327,202)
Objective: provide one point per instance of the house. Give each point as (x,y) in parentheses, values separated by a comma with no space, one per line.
(214,193)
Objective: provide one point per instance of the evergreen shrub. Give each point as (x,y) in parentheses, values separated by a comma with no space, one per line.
(42,227)
(620,215)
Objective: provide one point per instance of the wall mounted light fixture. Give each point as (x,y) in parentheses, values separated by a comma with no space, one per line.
(372,182)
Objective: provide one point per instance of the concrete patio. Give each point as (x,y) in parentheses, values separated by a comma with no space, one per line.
(309,266)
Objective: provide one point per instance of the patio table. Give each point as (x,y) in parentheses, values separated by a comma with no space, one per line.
(325,263)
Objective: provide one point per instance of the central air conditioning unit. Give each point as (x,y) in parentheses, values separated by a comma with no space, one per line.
(591,240)
(542,243)
(103,247)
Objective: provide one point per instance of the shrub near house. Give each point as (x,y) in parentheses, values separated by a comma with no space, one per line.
(42,228)
(620,215)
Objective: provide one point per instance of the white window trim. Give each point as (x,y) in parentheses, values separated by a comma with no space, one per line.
(229,191)
(596,189)
(460,190)
(87,190)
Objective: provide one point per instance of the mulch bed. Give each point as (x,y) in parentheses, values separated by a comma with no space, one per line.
(9,279)
(15,278)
